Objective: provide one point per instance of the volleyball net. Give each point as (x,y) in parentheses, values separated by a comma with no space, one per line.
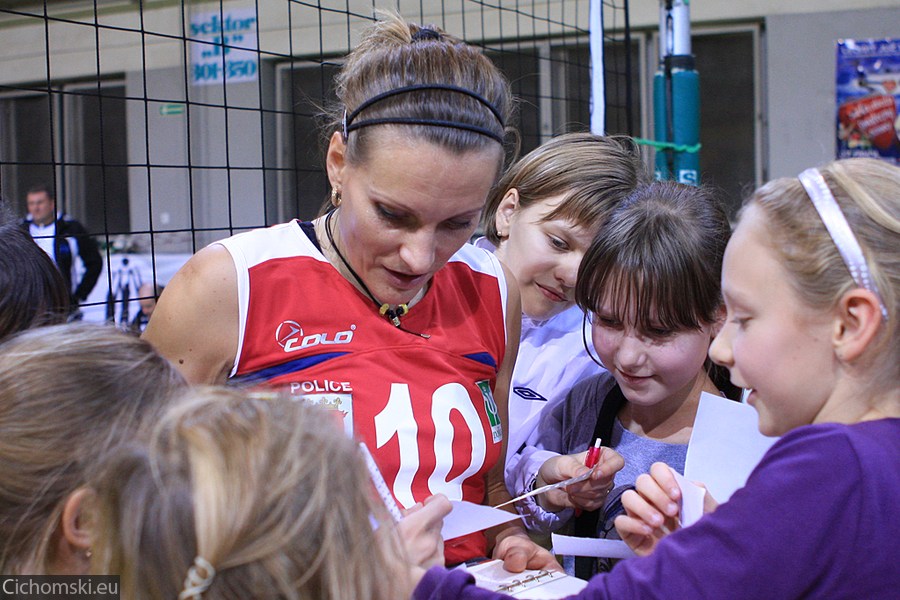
(164,125)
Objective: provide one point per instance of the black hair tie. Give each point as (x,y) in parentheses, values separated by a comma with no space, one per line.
(425,34)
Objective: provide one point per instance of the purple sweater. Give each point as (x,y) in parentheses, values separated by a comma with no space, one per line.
(818,518)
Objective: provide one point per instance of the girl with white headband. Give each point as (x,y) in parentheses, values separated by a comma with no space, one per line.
(811,280)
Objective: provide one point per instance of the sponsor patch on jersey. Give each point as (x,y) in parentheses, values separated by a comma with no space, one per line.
(528,394)
(491,408)
(336,396)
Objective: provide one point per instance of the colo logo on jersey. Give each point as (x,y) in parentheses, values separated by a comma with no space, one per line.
(291,337)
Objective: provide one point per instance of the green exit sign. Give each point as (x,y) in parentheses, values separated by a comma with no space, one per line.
(171,108)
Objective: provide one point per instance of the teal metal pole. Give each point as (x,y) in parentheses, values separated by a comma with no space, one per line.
(676,98)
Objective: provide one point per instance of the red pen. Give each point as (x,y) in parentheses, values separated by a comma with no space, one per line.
(593,455)
(592,458)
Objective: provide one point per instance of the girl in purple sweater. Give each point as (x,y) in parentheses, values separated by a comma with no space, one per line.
(811,281)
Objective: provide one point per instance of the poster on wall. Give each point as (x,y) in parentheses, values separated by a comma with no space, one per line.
(868,97)
(223,46)
(114,298)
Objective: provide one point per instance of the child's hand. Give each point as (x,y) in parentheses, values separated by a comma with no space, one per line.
(420,531)
(651,511)
(585,495)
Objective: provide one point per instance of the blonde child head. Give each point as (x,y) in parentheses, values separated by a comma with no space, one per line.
(243,496)
(812,308)
(69,394)
(546,209)
(592,172)
(867,191)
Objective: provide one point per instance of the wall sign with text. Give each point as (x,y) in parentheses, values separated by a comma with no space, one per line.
(223,47)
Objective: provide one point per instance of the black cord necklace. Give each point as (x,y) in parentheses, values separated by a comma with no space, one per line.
(393,314)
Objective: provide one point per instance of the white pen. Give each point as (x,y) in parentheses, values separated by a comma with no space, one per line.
(548,487)
(380,484)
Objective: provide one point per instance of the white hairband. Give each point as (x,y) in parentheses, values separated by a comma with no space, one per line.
(195,583)
(840,232)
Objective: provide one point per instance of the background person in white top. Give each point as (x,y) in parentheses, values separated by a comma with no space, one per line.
(64,239)
(539,221)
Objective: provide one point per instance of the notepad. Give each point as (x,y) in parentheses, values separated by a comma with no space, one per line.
(532,583)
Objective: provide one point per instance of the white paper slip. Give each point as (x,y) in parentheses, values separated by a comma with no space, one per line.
(533,584)
(467,517)
(691,499)
(725,445)
(568,545)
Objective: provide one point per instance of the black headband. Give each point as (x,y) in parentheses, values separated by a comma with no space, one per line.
(347,124)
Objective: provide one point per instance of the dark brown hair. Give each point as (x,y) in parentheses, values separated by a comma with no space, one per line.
(661,250)
(394,54)
(32,290)
(42,188)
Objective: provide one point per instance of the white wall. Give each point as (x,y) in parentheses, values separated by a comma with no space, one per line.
(223,191)
(800,73)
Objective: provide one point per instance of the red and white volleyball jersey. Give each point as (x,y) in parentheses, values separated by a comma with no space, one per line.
(422,406)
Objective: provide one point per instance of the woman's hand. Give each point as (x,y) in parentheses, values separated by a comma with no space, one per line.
(420,531)
(585,495)
(652,509)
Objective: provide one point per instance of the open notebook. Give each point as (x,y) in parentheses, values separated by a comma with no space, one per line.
(532,584)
